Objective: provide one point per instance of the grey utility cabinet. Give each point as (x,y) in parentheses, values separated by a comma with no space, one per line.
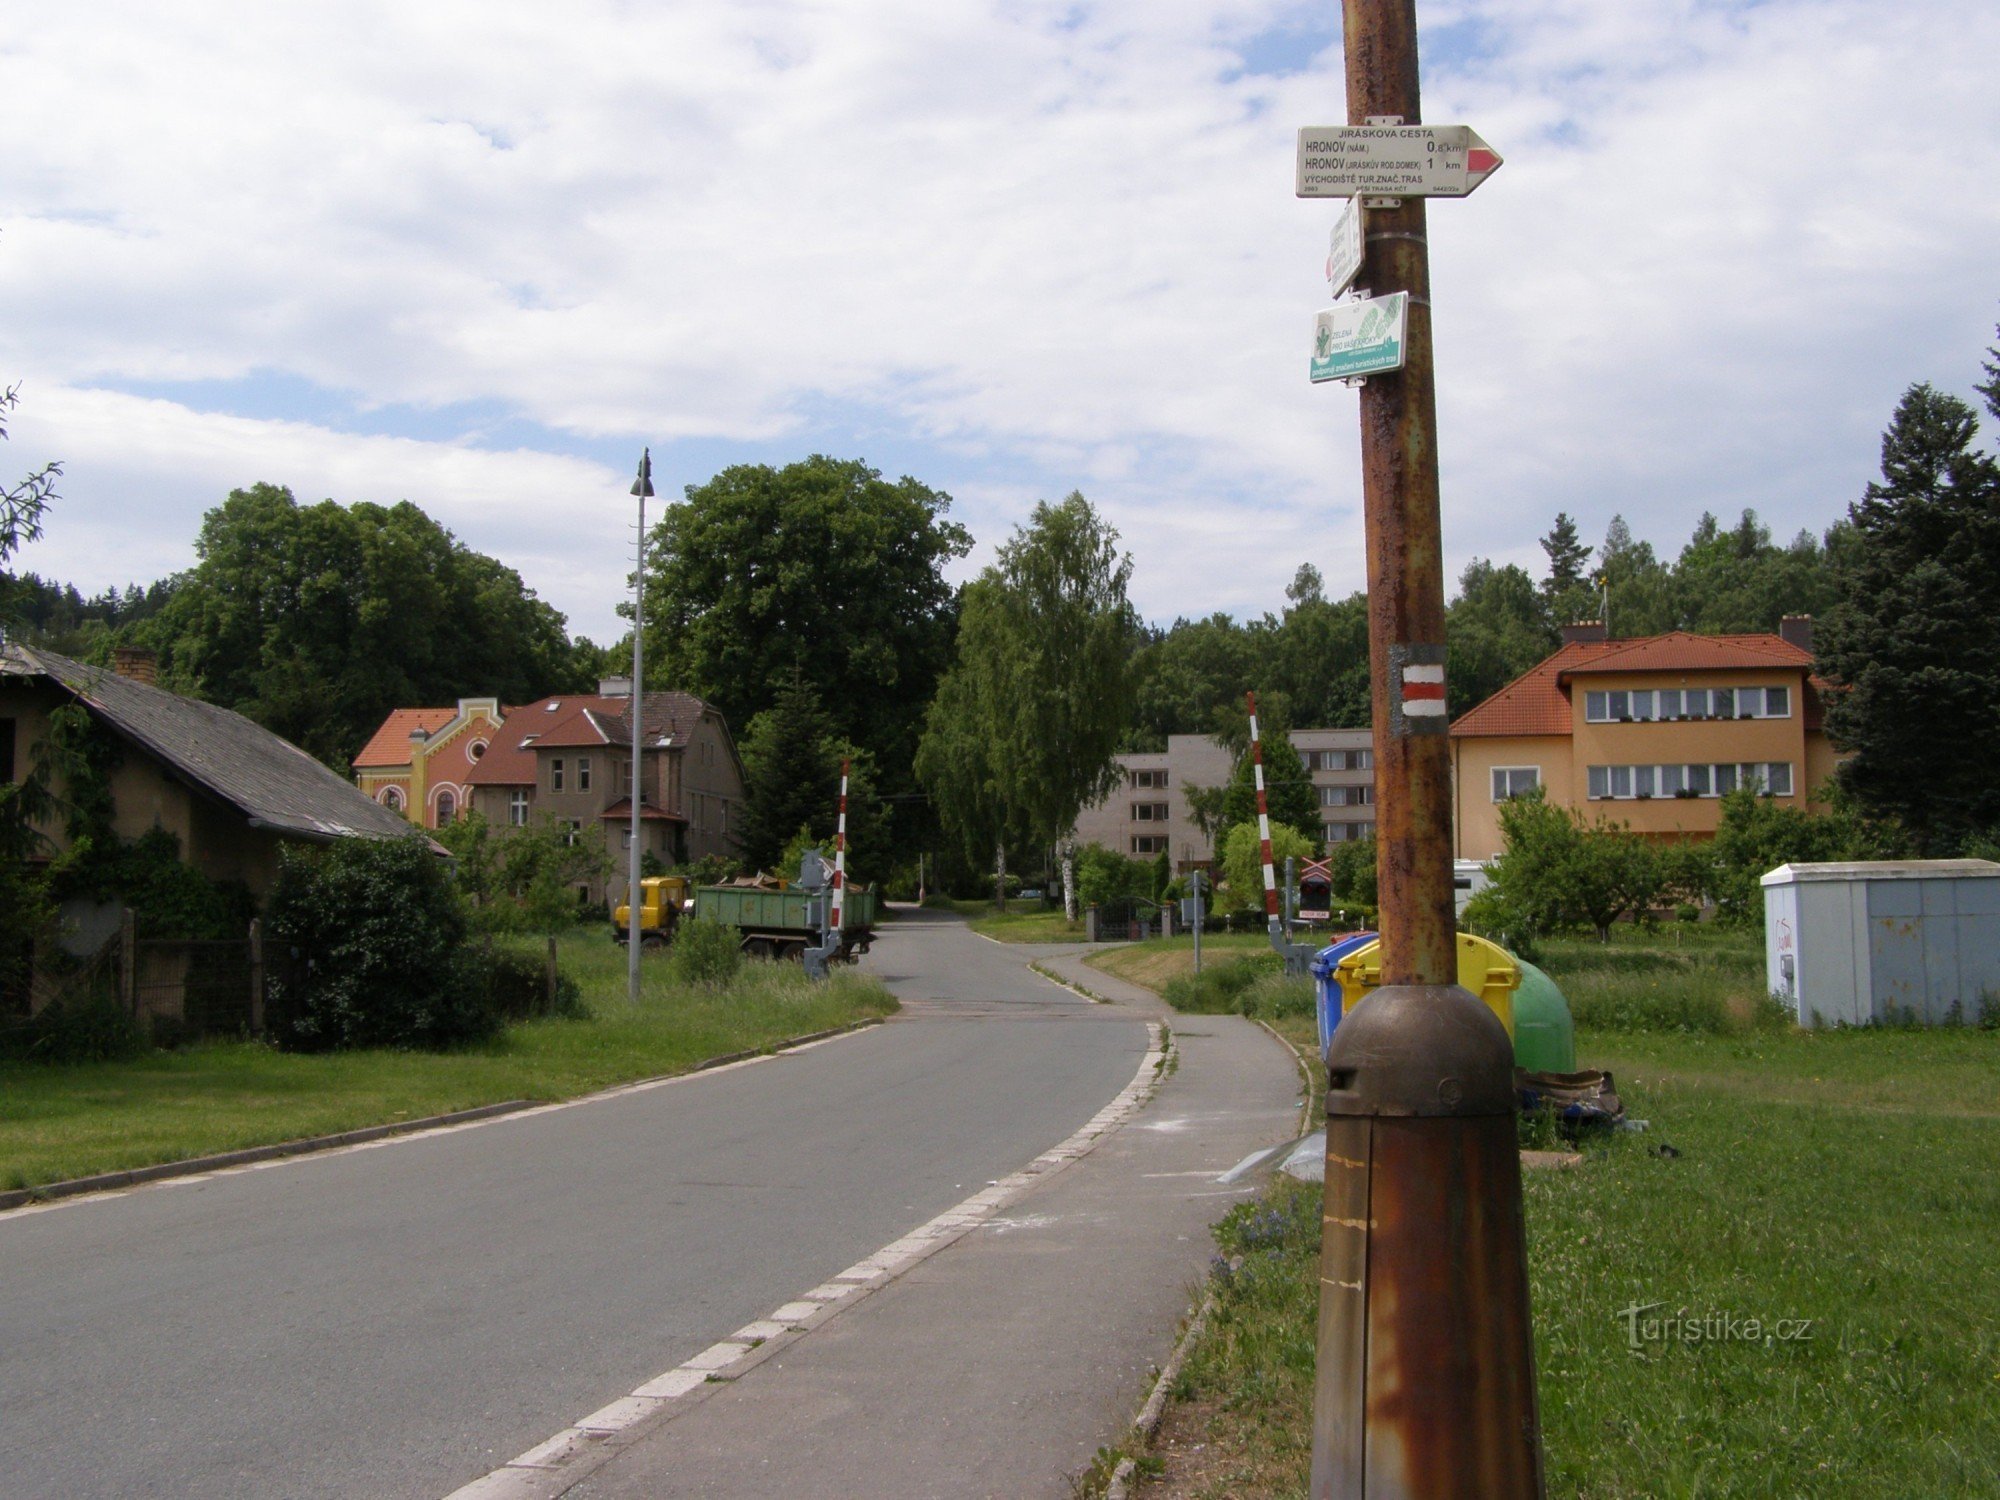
(1884,941)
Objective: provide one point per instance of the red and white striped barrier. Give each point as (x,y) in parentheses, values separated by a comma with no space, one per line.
(1263,818)
(840,851)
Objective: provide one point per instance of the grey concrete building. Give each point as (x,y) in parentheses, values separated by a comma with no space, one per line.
(1147,813)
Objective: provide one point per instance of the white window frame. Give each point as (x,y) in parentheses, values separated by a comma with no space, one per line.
(1510,772)
(583,773)
(517,807)
(555,773)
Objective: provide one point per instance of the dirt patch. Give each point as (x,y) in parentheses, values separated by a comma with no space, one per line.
(1193,1457)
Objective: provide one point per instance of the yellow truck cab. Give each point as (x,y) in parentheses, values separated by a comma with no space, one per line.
(662,899)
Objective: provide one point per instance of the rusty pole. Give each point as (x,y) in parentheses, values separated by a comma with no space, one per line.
(1426,1384)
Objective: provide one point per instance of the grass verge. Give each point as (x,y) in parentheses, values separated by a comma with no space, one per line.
(63,1122)
(1837,1185)
(1021,922)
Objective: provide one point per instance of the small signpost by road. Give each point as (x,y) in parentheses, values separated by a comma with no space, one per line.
(1396,161)
(1362,337)
(1343,255)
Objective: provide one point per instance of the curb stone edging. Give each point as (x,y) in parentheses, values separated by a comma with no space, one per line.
(1147,1423)
(557,1464)
(104,1182)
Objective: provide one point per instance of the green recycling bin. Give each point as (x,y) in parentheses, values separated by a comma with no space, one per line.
(1544,1032)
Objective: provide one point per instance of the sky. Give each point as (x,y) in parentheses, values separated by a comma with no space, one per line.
(476,254)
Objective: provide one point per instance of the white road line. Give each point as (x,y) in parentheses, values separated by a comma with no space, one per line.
(666,1393)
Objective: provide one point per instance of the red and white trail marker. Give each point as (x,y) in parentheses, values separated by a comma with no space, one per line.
(1423,691)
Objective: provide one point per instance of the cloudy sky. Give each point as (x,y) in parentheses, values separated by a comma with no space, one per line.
(476,253)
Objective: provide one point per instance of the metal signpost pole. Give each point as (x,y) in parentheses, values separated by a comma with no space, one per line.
(1194,888)
(1425,1384)
(642,487)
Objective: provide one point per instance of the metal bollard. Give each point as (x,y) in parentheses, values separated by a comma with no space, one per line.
(1426,1380)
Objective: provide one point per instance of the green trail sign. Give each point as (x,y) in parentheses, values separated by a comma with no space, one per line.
(1360,338)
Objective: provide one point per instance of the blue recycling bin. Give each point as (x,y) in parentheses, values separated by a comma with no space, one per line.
(1328,988)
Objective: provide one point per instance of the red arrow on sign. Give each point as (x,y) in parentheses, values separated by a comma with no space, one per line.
(1481,161)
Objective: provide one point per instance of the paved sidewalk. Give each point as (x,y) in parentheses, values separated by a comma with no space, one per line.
(997,1366)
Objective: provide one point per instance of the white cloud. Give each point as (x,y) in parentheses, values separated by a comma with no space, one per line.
(1037,246)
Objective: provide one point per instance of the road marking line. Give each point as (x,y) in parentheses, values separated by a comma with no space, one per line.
(665,1393)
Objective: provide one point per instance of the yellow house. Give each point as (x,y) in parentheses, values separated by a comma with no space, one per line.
(419,763)
(1648,732)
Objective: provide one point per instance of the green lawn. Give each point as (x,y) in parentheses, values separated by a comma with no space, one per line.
(63,1122)
(1842,1182)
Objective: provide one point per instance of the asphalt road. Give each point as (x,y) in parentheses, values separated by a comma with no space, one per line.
(396,1321)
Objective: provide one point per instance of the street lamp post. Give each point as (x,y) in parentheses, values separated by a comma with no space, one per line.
(643,488)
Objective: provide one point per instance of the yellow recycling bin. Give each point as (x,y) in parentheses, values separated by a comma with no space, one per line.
(1484,968)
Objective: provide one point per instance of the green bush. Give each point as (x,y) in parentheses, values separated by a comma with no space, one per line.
(1227,988)
(369,941)
(83,1031)
(517,986)
(705,955)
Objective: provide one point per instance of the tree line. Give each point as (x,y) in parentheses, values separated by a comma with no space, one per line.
(809,602)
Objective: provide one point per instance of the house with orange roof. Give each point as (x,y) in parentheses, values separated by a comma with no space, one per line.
(420,761)
(569,757)
(1650,732)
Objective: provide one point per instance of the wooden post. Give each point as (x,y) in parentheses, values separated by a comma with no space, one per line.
(256,976)
(128,962)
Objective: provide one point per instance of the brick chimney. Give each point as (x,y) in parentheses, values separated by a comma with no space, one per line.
(1797,630)
(135,662)
(1578,631)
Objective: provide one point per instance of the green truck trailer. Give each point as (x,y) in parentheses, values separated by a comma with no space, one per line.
(773,923)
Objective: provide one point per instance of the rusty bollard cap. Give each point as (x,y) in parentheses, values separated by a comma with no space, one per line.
(1420,1049)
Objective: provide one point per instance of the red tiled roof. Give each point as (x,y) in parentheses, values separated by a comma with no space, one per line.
(1681,651)
(1534,702)
(579,721)
(1537,703)
(390,745)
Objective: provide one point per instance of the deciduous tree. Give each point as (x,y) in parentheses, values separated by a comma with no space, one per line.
(1046,691)
(316,620)
(822,571)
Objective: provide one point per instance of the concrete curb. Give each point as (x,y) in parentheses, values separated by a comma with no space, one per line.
(104,1182)
(1148,1421)
(556,1465)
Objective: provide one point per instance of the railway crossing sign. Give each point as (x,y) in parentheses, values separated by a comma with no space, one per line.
(1396,161)
(1363,337)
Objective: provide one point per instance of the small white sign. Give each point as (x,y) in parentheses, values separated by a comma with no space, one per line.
(1392,161)
(1360,338)
(1343,256)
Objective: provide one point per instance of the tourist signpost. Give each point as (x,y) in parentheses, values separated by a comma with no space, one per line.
(1425,1383)
(1392,160)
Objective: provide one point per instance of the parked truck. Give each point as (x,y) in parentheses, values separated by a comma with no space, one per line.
(774,922)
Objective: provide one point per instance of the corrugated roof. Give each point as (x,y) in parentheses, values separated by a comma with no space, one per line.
(390,745)
(270,780)
(1537,703)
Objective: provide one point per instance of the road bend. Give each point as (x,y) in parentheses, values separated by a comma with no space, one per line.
(396,1321)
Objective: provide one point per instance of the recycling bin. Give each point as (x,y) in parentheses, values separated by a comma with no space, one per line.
(1327,985)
